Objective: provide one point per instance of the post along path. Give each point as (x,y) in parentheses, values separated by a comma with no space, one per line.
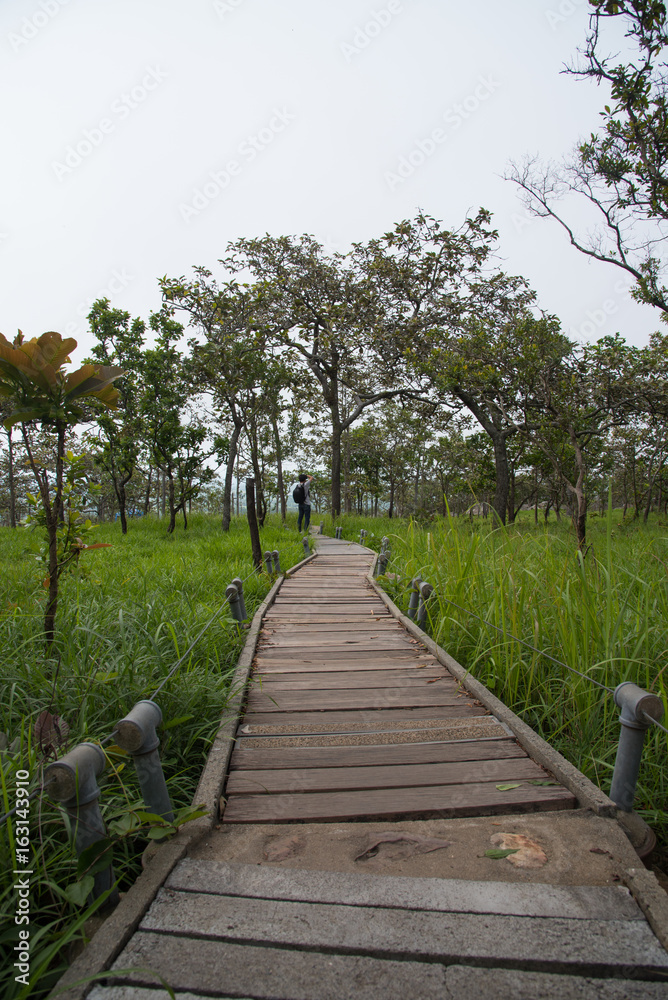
(365,794)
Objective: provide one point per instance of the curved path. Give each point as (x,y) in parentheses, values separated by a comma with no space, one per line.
(366,791)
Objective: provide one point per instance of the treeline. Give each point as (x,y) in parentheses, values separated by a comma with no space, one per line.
(411,375)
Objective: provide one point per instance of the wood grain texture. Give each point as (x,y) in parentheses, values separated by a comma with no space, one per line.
(335,779)
(356,756)
(480,799)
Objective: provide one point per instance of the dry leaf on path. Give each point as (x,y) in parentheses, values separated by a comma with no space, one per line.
(528,854)
(400,845)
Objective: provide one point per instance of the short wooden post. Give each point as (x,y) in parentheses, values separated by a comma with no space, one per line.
(267,561)
(277,561)
(307,550)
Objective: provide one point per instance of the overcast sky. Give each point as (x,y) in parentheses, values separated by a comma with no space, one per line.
(143,135)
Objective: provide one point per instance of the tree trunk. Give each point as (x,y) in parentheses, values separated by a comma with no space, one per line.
(229,473)
(251,515)
(172,506)
(12,483)
(500,502)
(280,485)
(147,495)
(336,465)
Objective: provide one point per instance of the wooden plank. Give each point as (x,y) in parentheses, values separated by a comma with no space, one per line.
(350,679)
(336,779)
(280,700)
(359,645)
(481,799)
(377,716)
(302,664)
(359,756)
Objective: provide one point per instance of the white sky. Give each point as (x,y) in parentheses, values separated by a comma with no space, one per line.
(314,103)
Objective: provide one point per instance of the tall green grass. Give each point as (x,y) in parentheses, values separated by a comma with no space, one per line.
(125,618)
(604,614)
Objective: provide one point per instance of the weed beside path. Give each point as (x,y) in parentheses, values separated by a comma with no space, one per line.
(126,616)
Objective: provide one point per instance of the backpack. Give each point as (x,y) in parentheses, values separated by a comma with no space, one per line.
(299,493)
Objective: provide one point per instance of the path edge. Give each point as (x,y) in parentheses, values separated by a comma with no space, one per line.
(120,925)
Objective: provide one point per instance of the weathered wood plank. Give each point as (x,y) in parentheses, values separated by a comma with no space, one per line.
(417,676)
(280,700)
(337,779)
(480,799)
(357,756)
(312,664)
(378,716)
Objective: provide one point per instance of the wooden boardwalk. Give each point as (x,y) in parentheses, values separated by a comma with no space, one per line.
(349,718)
(353,729)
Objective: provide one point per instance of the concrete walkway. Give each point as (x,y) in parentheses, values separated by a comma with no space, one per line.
(300,895)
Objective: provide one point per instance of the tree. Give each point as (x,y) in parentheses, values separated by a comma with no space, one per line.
(315,306)
(119,342)
(180,448)
(621,171)
(33,379)
(442,321)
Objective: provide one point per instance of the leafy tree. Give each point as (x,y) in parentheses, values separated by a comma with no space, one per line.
(34,380)
(621,171)
(119,342)
(315,306)
(442,322)
(180,449)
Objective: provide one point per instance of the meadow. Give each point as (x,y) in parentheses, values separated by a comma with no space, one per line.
(126,616)
(604,614)
(131,611)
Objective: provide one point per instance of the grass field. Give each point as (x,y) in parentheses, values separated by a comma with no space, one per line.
(123,622)
(606,615)
(138,606)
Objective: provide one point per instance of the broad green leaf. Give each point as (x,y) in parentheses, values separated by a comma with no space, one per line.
(78,892)
(96,858)
(496,853)
(506,788)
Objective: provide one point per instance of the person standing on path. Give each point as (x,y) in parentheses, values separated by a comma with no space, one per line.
(302,497)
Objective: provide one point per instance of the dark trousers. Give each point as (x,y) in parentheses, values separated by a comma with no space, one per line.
(305,513)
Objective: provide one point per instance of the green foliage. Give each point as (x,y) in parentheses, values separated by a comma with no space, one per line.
(121,630)
(606,615)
